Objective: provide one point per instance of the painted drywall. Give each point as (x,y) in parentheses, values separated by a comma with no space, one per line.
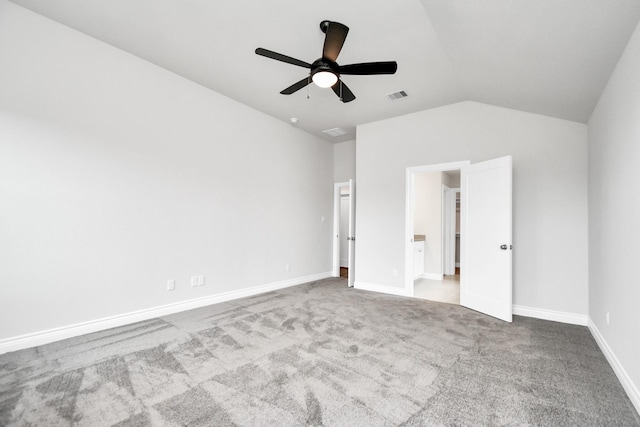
(344,169)
(116,176)
(427,218)
(614,209)
(550,194)
(452,179)
(344,161)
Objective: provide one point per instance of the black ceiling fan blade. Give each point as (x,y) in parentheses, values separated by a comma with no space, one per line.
(336,33)
(296,86)
(343,91)
(369,68)
(280,57)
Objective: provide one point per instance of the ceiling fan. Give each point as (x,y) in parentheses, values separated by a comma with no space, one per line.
(325,72)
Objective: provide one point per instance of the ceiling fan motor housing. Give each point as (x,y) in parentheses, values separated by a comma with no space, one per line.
(324,64)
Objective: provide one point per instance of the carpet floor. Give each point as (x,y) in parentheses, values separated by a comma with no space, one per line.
(318,354)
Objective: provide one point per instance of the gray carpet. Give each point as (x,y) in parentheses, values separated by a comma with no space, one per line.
(318,354)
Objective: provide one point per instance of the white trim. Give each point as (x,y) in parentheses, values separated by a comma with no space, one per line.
(556,316)
(623,377)
(432,276)
(383,289)
(64,332)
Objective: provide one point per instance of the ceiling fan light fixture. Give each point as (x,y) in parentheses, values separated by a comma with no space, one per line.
(324,79)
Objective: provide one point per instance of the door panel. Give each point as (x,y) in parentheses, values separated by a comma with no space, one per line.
(486,274)
(352,232)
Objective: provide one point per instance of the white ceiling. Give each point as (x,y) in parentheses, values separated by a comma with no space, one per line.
(550,57)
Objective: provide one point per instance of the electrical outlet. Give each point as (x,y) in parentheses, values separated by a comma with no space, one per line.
(287,267)
(607,318)
(194,281)
(171,285)
(201,280)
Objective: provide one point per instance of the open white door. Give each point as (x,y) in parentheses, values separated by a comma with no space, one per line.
(352,233)
(486,238)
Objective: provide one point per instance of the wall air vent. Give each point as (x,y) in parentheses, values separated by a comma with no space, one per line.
(397,95)
(335,132)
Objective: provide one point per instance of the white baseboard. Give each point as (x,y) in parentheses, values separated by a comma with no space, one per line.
(57,334)
(432,276)
(625,380)
(458,264)
(384,289)
(556,316)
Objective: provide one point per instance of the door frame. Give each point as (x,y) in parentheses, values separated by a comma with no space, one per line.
(409,218)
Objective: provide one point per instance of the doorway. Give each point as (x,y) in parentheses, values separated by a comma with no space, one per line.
(435,227)
(344,231)
(485,234)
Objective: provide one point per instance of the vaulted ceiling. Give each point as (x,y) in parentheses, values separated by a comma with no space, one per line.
(550,57)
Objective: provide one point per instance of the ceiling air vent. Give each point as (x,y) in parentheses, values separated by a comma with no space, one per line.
(335,132)
(397,95)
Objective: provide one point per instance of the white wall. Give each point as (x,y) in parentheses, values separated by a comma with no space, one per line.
(451,179)
(116,175)
(427,218)
(550,193)
(614,212)
(344,161)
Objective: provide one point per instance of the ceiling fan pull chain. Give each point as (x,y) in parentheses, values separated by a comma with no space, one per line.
(308,84)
